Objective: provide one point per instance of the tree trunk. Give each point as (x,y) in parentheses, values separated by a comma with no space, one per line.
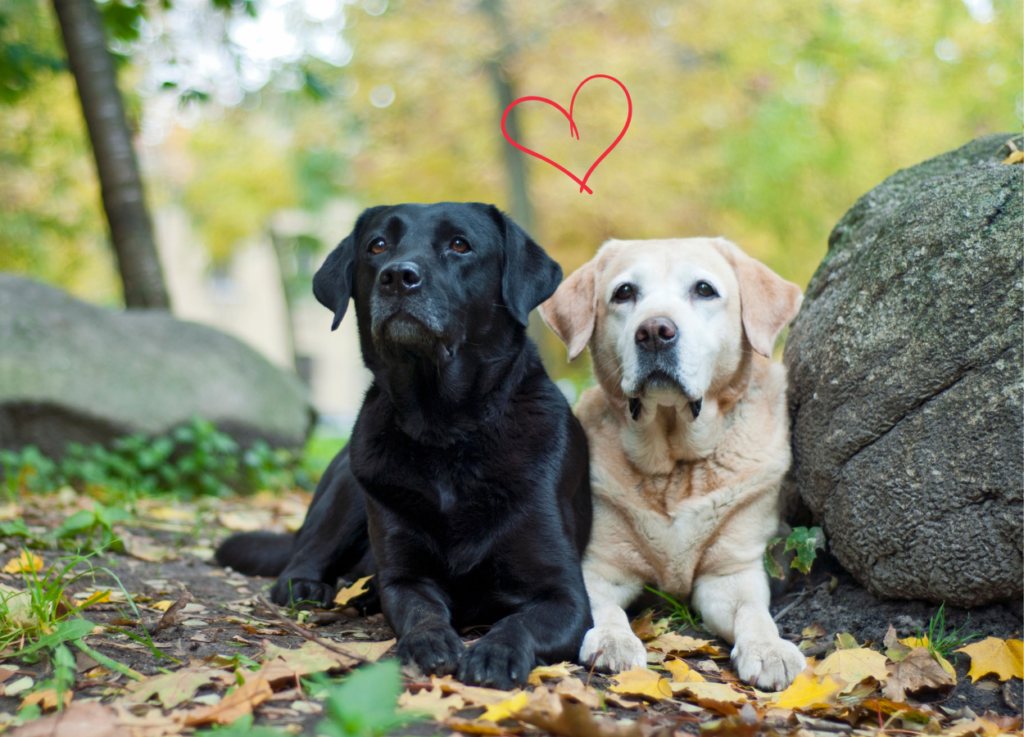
(515,160)
(131,230)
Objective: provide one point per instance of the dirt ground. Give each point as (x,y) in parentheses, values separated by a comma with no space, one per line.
(224,613)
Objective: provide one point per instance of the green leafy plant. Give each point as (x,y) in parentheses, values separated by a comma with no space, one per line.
(99,522)
(943,643)
(364,705)
(195,459)
(679,613)
(805,542)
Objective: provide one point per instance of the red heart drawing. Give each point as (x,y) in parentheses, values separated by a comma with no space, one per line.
(573,131)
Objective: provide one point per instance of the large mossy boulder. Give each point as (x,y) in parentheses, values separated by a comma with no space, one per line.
(905,382)
(70,371)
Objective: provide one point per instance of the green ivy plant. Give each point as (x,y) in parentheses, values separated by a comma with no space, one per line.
(804,541)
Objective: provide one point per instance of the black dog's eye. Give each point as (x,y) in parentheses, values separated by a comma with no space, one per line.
(624,293)
(459,245)
(705,290)
(378,245)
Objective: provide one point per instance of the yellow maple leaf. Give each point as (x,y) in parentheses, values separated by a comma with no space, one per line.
(348,593)
(505,709)
(670,642)
(162,606)
(714,692)
(854,665)
(682,672)
(913,642)
(1015,157)
(808,690)
(25,563)
(559,670)
(641,682)
(1005,658)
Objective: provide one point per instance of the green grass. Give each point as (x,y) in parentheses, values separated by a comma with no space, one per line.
(943,643)
(320,450)
(679,613)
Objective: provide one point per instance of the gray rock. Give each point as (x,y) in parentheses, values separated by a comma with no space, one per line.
(70,371)
(905,371)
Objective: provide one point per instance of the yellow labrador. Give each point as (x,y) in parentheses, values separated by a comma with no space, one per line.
(689,439)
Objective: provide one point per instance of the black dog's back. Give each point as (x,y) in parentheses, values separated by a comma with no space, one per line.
(337,506)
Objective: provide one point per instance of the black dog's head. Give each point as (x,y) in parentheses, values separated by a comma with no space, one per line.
(430,279)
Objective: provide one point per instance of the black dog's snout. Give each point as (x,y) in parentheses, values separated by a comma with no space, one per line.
(401,278)
(656,334)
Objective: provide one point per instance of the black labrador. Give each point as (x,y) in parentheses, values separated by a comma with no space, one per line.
(466,480)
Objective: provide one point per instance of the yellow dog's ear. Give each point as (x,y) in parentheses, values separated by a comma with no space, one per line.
(572,309)
(767,301)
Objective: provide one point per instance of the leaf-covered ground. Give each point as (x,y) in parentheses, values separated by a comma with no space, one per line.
(224,654)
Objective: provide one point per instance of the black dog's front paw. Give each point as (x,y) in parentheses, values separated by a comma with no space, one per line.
(496,664)
(302,592)
(436,650)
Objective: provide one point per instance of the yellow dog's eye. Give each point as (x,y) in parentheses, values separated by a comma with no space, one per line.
(705,290)
(624,293)
(378,245)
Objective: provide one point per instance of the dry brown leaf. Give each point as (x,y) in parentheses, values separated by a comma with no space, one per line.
(813,631)
(174,689)
(505,709)
(146,549)
(641,682)
(575,720)
(236,704)
(47,699)
(472,726)
(347,594)
(81,719)
(431,701)
(721,697)
(677,644)
(1005,658)
(854,665)
(575,689)
(918,671)
(172,615)
(474,695)
(284,664)
(643,626)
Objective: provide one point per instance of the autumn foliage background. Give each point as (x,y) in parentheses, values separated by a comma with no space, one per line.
(762,122)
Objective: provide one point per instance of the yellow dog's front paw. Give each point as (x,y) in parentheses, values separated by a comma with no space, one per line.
(770,665)
(612,650)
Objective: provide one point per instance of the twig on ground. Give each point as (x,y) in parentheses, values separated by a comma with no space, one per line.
(306,634)
(173,614)
(798,600)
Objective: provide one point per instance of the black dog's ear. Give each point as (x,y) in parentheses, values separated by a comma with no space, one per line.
(334,282)
(530,275)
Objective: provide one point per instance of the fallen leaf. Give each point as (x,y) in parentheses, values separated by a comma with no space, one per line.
(16,687)
(718,696)
(152,723)
(283,664)
(641,682)
(431,701)
(918,671)
(10,511)
(505,709)
(576,690)
(671,642)
(472,726)
(846,641)
(575,720)
(81,719)
(1005,658)
(162,606)
(682,672)
(474,695)
(236,704)
(242,522)
(147,550)
(172,615)
(854,665)
(559,670)
(47,699)
(171,514)
(348,593)
(174,689)
(808,690)
(1015,157)
(813,631)
(25,563)
(643,626)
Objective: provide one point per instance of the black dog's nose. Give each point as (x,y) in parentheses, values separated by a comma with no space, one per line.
(401,278)
(655,334)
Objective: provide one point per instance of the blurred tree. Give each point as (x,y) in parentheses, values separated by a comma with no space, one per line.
(131,231)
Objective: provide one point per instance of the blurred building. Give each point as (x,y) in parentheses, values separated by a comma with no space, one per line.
(261,296)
